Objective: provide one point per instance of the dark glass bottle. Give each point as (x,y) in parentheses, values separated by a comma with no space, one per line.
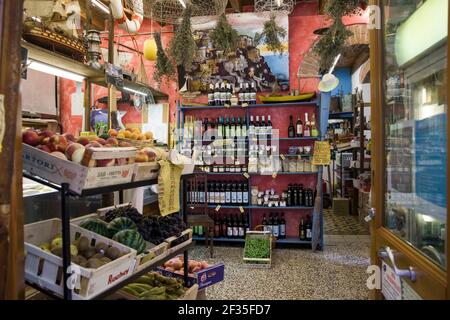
(275,226)
(308,234)
(295,201)
(216,226)
(245,194)
(264,223)
(246,225)
(282,227)
(289,196)
(222,193)
(302,193)
(230,227)
(217,193)
(228,193)
(302,230)
(299,127)
(223,229)
(233,193)
(236,227)
(239,193)
(291,129)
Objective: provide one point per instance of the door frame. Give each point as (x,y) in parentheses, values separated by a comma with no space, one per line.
(380,234)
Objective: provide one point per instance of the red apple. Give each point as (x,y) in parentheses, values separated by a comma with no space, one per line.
(59,155)
(31,137)
(101,141)
(44,148)
(105,162)
(83,140)
(75,152)
(46,134)
(112,141)
(69,137)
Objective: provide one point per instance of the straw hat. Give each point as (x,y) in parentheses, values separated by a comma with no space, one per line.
(328,83)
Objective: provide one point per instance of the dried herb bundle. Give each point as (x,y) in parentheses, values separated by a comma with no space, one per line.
(273,35)
(224,37)
(333,41)
(183,46)
(164,67)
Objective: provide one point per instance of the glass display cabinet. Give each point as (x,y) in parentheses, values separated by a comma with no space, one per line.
(410,95)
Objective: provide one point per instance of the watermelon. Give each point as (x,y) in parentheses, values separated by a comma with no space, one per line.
(119,224)
(95,225)
(130,238)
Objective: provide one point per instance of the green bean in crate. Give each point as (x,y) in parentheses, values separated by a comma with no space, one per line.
(258,249)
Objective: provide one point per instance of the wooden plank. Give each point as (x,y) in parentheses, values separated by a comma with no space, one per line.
(12,285)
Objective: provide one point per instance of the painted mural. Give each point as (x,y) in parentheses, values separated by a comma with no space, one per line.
(251,63)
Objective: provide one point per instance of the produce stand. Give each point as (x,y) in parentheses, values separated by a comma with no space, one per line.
(66,194)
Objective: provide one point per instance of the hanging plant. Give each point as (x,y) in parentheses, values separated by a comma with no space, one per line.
(183,46)
(164,68)
(224,37)
(333,40)
(273,35)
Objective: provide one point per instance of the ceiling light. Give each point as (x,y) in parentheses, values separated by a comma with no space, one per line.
(135,91)
(183,3)
(100,5)
(42,67)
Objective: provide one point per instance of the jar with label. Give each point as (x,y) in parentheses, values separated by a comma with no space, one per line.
(254,194)
(300,164)
(292,165)
(307,165)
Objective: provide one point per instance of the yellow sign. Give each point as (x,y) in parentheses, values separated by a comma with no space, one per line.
(87,134)
(322,153)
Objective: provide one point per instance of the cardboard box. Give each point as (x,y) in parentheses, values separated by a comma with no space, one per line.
(204,278)
(341,206)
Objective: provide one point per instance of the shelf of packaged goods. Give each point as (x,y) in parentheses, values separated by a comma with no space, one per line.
(341,115)
(213,206)
(254,140)
(289,240)
(158,261)
(264,105)
(259,174)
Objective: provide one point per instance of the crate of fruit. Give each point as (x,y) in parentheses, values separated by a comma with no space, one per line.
(147,252)
(258,249)
(154,286)
(175,243)
(200,272)
(82,167)
(145,171)
(98,262)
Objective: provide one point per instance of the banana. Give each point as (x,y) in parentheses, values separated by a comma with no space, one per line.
(146,280)
(130,291)
(154,291)
(139,287)
(155,297)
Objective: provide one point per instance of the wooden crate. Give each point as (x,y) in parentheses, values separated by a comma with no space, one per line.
(79,177)
(144,259)
(138,143)
(172,246)
(145,171)
(191,294)
(45,269)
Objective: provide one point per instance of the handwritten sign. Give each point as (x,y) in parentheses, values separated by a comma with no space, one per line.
(322,154)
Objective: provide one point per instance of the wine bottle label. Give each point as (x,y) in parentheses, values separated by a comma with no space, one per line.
(269,228)
(282,230)
(228,197)
(222,197)
(308,233)
(253,96)
(233,197)
(239,197)
(299,129)
(241,231)
(217,197)
(210,96)
(229,231)
(245,197)
(275,231)
(235,231)
(201,197)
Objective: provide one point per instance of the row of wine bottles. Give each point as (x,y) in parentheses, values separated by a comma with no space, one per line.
(303,129)
(220,94)
(218,192)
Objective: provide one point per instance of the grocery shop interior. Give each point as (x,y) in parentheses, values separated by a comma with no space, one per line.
(224,150)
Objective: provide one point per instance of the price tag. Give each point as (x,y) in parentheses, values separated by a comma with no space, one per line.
(218,207)
(192,208)
(246,175)
(282,156)
(227,106)
(244,105)
(241,209)
(87,134)
(274,175)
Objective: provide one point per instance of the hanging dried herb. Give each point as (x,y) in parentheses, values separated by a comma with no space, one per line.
(224,37)
(183,46)
(333,40)
(164,68)
(273,35)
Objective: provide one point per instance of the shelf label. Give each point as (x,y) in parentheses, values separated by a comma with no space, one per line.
(218,207)
(322,153)
(246,175)
(282,156)
(274,175)
(227,105)
(244,105)
(241,209)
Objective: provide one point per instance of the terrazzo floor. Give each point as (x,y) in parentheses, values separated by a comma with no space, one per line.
(337,272)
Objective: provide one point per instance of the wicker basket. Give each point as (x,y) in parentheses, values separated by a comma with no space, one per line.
(139,143)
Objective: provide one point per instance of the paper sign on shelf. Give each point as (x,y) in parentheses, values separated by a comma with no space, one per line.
(241,209)
(246,175)
(391,285)
(274,175)
(218,207)
(322,153)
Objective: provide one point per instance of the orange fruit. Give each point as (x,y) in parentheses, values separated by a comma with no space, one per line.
(120,136)
(134,136)
(149,135)
(127,134)
(141,136)
(121,131)
(112,132)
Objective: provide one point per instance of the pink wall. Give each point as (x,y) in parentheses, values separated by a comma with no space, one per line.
(302,22)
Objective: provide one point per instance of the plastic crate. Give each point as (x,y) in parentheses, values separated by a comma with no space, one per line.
(258,262)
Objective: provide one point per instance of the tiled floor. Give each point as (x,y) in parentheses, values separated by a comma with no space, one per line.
(338,272)
(342,225)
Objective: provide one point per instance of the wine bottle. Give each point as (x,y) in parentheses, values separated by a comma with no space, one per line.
(223,94)
(224,227)
(217,193)
(251,127)
(248,94)
(241,94)
(264,223)
(302,230)
(308,228)
(217,95)
(291,129)
(222,193)
(228,193)
(245,194)
(246,224)
(233,193)
(216,226)
(219,128)
(227,129)
(275,226)
(299,127)
(257,126)
(270,223)
(262,128)
(314,131)
(282,227)
(235,227)
(232,129)
(201,193)
(269,126)
(307,128)
(230,227)
(211,95)
(210,193)
(241,227)
(239,128)
(239,193)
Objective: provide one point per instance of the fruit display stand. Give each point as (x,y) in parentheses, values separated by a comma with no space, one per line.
(66,192)
(45,269)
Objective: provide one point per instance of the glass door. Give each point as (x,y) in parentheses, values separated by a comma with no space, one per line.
(412,234)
